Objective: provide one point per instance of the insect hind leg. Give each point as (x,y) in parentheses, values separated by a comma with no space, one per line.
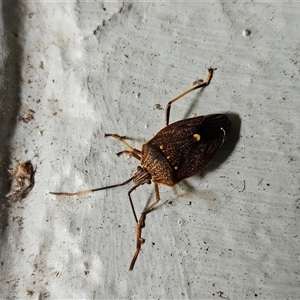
(197,84)
(132,152)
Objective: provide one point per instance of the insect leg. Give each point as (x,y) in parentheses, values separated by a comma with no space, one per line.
(140,225)
(157,198)
(130,153)
(198,85)
(134,152)
(139,241)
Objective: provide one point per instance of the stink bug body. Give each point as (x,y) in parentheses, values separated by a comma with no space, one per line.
(176,152)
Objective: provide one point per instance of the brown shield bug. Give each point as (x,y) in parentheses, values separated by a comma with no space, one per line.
(178,151)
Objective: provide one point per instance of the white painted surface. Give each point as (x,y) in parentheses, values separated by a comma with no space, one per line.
(234,229)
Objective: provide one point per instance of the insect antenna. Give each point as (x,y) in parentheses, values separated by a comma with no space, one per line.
(92,190)
(141,177)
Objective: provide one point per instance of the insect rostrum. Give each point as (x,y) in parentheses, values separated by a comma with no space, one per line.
(176,152)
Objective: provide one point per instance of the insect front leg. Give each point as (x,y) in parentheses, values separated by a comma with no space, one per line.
(132,152)
(157,198)
(129,153)
(139,240)
(141,224)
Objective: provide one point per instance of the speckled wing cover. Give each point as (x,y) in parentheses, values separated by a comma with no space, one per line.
(183,154)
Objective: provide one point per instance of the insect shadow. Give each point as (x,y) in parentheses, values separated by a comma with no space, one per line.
(178,151)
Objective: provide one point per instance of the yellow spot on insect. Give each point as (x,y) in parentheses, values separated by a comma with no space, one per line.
(176,167)
(168,157)
(197,137)
(161,147)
